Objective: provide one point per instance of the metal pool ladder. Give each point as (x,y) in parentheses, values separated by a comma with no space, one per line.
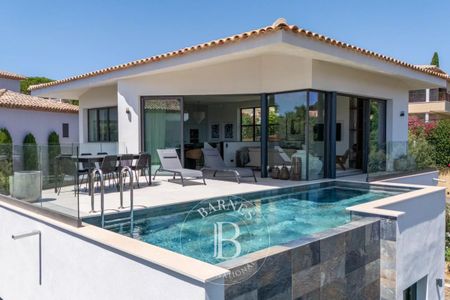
(130,218)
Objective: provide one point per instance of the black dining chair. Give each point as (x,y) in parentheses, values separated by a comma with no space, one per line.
(97,165)
(142,165)
(86,167)
(126,160)
(109,168)
(66,167)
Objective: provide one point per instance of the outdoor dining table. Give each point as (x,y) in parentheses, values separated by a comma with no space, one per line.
(91,160)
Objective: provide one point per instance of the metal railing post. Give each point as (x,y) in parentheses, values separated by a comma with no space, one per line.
(102,189)
(128,170)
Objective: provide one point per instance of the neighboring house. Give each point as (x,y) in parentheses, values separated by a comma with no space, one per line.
(430,104)
(279,90)
(22,114)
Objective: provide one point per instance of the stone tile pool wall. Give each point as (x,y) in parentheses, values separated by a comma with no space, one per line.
(388,254)
(341,263)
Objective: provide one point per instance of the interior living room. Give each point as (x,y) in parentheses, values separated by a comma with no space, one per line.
(233,124)
(295,125)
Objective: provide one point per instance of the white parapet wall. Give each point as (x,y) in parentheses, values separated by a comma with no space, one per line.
(76,267)
(425,178)
(414,241)
(420,244)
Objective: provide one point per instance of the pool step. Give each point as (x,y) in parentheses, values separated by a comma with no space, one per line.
(115,222)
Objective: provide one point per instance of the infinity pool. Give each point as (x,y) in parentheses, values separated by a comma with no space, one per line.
(219,229)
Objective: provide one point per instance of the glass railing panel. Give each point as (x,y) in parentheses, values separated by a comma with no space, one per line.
(43,176)
(55,178)
(399,159)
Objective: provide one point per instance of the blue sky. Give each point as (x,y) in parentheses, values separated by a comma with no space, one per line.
(57,39)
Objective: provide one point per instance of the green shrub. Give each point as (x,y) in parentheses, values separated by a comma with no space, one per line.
(377,161)
(30,153)
(54,149)
(439,138)
(420,151)
(6,166)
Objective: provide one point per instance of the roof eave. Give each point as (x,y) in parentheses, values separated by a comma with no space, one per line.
(277,26)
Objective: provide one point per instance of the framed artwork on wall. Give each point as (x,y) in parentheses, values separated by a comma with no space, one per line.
(228,132)
(193,136)
(214,131)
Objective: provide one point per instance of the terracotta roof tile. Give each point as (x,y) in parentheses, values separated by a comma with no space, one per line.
(280,24)
(432,68)
(9,75)
(10,99)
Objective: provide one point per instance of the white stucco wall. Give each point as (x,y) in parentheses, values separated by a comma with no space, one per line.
(20,122)
(427,178)
(333,77)
(10,84)
(420,243)
(96,98)
(77,268)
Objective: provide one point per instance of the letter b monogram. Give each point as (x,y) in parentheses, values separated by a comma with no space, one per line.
(219,240)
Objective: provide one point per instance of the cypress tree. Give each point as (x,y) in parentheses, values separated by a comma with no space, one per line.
(435,59)
(30,153)
(54,149)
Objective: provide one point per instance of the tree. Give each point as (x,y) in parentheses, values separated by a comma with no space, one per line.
(435,59)
(24,84)
(54,149)
(30,153)
(440,139)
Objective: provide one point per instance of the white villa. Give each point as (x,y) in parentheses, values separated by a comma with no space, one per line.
(279,100)
(330,101)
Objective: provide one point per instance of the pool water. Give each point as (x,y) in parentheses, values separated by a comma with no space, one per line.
(250,222)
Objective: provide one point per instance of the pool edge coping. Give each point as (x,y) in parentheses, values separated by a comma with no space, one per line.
(377,207)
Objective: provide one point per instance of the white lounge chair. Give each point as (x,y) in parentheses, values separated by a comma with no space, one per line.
(215,163)
(170,163)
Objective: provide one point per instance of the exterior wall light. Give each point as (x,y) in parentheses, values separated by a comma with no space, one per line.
(402,113)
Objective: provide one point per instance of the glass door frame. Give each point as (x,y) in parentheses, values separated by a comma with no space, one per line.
(329,158)
(366,100)
(142,120)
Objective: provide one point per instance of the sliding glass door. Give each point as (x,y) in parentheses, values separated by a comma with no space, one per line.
(377,136)
(296,132)
(162,126)
(317,135)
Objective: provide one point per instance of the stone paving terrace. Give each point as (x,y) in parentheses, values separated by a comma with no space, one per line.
(161,192)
